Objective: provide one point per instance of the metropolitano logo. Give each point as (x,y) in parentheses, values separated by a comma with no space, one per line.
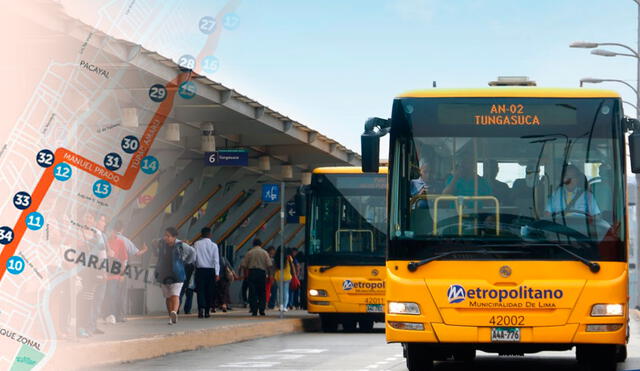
(456,294)
(347,285)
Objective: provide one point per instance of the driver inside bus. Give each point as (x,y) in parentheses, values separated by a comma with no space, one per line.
(572,195)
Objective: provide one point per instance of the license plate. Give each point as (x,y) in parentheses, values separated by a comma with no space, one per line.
(375,308)
(505,334)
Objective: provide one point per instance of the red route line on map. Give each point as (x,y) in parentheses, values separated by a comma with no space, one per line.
(126,181)
(121,181)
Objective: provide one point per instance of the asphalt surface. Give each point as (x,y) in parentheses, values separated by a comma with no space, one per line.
(351,351)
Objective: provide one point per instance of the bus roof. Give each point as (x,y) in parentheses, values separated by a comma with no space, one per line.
(506,92)
(344,170)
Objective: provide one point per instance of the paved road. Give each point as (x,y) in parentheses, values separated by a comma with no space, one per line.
(353,351)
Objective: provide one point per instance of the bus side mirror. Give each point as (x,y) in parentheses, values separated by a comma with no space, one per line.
(370,143)
(634,151)
(370,152)
(301,201)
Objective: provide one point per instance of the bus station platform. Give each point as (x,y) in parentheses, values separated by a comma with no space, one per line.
(150,336)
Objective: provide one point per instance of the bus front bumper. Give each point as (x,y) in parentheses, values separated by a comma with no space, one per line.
(325,306)
(408,330)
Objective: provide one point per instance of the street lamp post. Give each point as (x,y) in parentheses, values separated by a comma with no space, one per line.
(634,53)
(607,53)
(592,80)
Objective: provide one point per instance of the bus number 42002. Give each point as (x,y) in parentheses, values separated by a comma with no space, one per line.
(507,320)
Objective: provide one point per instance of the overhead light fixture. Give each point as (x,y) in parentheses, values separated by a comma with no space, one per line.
(287,171)
(264,163)
(591,80)
(603,53)
(305,178)
(172,132)
(130,117)
(208,139)
(583,44)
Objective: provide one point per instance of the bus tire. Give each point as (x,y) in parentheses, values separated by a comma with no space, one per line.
(366,325)
(418,357)
(349,325)
(621,353)
(328,324)
(595,357)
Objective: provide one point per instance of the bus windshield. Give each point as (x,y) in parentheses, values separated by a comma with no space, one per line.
(533,175)
(347,219)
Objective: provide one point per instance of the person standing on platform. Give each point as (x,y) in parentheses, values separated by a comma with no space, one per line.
(173,254)
(227,275)
(100,226)
(287,272)
(294,293)
(207,272)
(132,251)
(271,288)
(117,252)
(257,262)
(92,244)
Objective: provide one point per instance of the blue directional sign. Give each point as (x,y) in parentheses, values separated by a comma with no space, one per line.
(292,215)
(270,193)
(227,157)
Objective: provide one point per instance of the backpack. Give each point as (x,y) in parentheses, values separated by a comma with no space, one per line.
(178,266)
(174,272)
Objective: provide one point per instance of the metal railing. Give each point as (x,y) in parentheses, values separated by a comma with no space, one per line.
(351,232)
(459,201)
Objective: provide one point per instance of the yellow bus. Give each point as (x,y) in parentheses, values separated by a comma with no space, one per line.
(507,223)
(345,246)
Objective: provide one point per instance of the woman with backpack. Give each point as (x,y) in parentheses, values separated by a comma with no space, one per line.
(173,254)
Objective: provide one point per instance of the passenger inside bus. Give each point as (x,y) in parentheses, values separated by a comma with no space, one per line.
(424,184)
(464,179)
(525,185)
(419,185)
(500,190)
(529,192)
(573,195)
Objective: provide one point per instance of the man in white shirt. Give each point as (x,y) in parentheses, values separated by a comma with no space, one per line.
(207,272)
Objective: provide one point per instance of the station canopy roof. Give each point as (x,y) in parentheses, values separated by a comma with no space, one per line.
(239,121)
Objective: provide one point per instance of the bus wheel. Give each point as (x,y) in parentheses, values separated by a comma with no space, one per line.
(328,324)
(621,353)
(597,357)
(418,358)
(366,325)
(349,325)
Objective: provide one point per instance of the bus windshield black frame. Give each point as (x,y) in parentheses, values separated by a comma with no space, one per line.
(349,208)
(447,155)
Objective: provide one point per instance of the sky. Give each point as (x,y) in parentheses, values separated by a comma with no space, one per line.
(331,64)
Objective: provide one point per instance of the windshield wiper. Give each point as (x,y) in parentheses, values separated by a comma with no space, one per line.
(413,266)
(324,269)
(593,266)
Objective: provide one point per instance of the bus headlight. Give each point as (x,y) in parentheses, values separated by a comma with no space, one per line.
(314,292)
(403,308)
(605,310)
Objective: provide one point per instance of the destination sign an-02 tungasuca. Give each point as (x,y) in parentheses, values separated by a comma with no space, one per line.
(227,157)
(506,114)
